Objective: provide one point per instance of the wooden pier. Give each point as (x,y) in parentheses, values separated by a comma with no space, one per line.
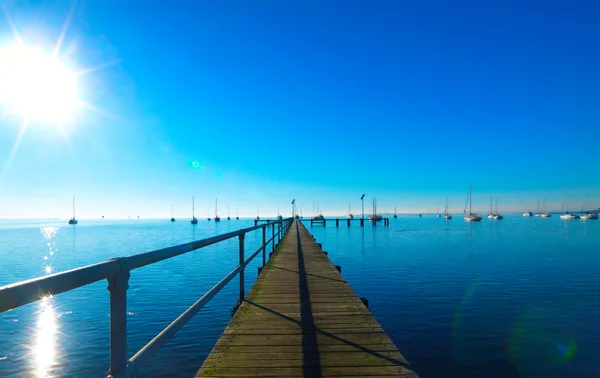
(302,319)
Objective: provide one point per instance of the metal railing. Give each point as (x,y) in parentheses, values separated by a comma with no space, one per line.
(117,272)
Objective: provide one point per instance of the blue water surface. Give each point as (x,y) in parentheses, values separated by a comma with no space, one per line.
(518,297)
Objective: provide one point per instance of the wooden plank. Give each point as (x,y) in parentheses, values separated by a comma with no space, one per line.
(302,319)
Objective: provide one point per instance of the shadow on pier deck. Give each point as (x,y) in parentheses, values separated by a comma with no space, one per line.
(302,319)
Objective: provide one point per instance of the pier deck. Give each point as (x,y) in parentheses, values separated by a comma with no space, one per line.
(302,319)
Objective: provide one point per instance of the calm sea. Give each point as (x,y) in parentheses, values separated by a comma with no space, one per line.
(518,297)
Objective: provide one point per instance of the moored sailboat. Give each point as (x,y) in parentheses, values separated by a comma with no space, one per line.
(588,214)
(172,217)
(447,215)
(567,215)
(375,217)
(544,213)
(497,215)
(73,220)
(471,216)
(194,219)
(217,218)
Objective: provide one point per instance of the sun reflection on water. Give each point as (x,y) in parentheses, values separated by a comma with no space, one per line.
(44,350)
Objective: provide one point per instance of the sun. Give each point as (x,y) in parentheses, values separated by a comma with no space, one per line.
(36,85)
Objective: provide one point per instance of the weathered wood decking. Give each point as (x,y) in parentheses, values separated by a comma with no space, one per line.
(302,319)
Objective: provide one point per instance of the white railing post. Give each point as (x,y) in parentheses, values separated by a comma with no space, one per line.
(118,285)
(241,237)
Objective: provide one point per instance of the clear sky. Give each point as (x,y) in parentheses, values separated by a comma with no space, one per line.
(260,102)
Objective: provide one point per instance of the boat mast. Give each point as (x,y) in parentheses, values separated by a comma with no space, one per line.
(193,208)
(467,202)
(73,207)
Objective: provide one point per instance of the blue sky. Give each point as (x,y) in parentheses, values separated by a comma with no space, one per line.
(406,101)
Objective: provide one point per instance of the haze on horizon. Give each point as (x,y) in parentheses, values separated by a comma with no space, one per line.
(259,103)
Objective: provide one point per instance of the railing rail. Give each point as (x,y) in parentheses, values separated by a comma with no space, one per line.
(117,272)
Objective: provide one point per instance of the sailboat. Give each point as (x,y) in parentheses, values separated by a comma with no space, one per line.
(217,219)
(471,216)
(257,215)
(237,213)
(350,216)
(527,214)
(491,215)
(447,215)
(172,218)
(568,215)
(228,217)
(376,217)
(537,213)
(587,215)
(544,213)
(279,217)
(438,211)
(395,215)
(497,216)
(194,220)
(73,220)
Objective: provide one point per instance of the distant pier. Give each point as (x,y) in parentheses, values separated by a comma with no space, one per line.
(337,221)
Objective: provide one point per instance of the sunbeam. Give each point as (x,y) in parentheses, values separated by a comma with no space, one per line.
(13,151)
(63,32)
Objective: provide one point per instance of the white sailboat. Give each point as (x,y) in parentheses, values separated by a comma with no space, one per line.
(172,218)
(491,215)
(447,215)
(438,211)
(376,217)
(568,215)
(279,217)
(471,216)
(544,213)
(350,216)
(73,220)
(587,215)
(194,220)
(537,213)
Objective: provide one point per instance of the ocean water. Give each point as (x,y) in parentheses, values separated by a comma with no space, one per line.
(518,297)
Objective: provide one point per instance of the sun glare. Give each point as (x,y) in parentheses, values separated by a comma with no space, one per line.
(36,85)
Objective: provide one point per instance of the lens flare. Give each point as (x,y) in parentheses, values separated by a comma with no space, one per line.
(195,164)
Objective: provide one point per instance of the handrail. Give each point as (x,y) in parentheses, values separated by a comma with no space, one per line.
(117,272)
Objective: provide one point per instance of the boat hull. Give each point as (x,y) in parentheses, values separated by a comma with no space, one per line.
(569,216)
